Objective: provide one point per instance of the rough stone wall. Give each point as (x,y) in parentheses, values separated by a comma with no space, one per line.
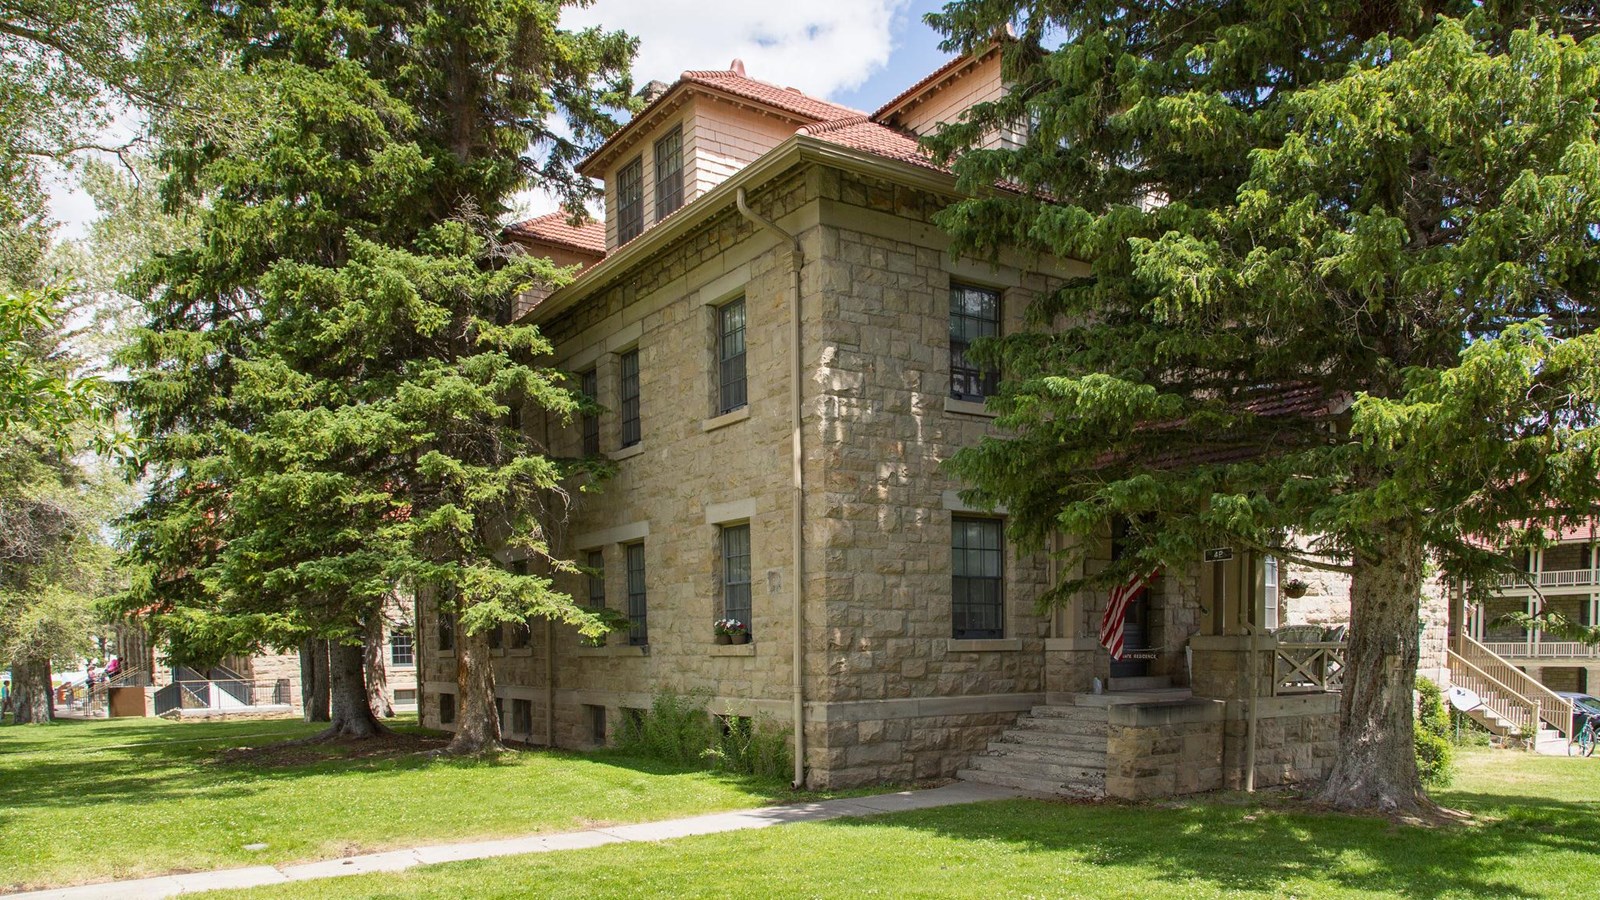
(1164,750)
(889,694)
(1296,741)
(1327,603)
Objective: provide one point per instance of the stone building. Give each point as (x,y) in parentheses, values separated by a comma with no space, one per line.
(776,328)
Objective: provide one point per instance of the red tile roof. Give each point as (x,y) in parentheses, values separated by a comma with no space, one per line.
(861,133)
(730,82)
(788,99)
(554,228)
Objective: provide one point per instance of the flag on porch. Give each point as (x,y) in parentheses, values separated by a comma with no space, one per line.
(1117,611)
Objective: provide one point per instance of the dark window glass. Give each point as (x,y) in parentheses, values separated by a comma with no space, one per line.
(736,574)
(597,724)
(629,395)
(522,717)
(638,630)
(977,578)
(669,173)
(596,561)
(630,200)
(974,314)
(494,636)
(590,385)
(447,709)
(730,356)
(447,631)
(402,648)
(521,635)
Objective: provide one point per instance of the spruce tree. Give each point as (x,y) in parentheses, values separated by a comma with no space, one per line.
(328,382)
(1342,283)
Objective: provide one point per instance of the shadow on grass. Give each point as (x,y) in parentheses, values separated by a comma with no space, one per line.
(1250,848)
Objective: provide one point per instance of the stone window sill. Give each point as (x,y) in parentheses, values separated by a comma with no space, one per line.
(520,651)
(626,452)
(738,415)
(618,650)
(734,649)
(990,645)
(968,408)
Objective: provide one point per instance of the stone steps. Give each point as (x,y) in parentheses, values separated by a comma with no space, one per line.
(1055,749)
(1087,789)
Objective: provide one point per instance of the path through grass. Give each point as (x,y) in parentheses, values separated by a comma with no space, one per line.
(91,801)
(1537,835)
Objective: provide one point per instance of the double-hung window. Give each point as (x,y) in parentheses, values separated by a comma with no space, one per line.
(1270,593)
(977,579)
(628,394)
(731,392)
(402,648)
(589,383)
(595,560)
(630,200)
(669,173)
(447,631)
(736,574)
(638,624)
(974,314)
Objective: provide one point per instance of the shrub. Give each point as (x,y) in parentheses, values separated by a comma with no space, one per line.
(752,747)
(1432,736)
(677,729)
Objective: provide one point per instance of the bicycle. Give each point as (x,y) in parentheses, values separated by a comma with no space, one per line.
(1582,744)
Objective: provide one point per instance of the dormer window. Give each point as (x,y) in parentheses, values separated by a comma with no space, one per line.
(630,200)
(669,173)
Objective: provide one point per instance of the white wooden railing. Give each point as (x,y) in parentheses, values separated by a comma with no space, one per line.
(1543,649)
(1558,578)
(1511,693)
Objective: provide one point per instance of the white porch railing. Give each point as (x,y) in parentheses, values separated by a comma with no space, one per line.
(1308,667)
(1543,649)
(1558,578)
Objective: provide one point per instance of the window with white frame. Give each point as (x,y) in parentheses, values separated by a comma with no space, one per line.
(402,648)
(1270,593)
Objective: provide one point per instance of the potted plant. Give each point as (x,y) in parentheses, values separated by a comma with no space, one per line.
(731,631)
(1294,588)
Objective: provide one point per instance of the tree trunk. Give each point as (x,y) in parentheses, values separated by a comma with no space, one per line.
(347,688)
(30,692)
(377,672)
(314,680)
(477,722)
(1376,769)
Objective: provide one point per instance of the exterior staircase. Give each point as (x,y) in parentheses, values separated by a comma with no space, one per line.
(1514,703)
(1059,748)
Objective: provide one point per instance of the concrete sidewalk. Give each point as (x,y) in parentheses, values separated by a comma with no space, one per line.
(397,860)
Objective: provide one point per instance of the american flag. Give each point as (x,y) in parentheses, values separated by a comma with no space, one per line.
(1117,612)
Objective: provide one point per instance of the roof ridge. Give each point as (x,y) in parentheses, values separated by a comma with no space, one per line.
(827,125)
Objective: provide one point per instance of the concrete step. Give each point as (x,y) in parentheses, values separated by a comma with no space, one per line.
(1034,768)
(1087,788)
(1139,683)
(1115,698)
(1039,737)
(1054,756)
(1054,725)
(1077,713)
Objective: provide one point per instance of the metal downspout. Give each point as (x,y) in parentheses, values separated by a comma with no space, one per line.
(798,476)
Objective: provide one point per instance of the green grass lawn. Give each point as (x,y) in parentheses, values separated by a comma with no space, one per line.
(1537,834)
(91,801)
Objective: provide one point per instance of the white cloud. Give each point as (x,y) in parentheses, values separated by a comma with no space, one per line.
(818,46)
